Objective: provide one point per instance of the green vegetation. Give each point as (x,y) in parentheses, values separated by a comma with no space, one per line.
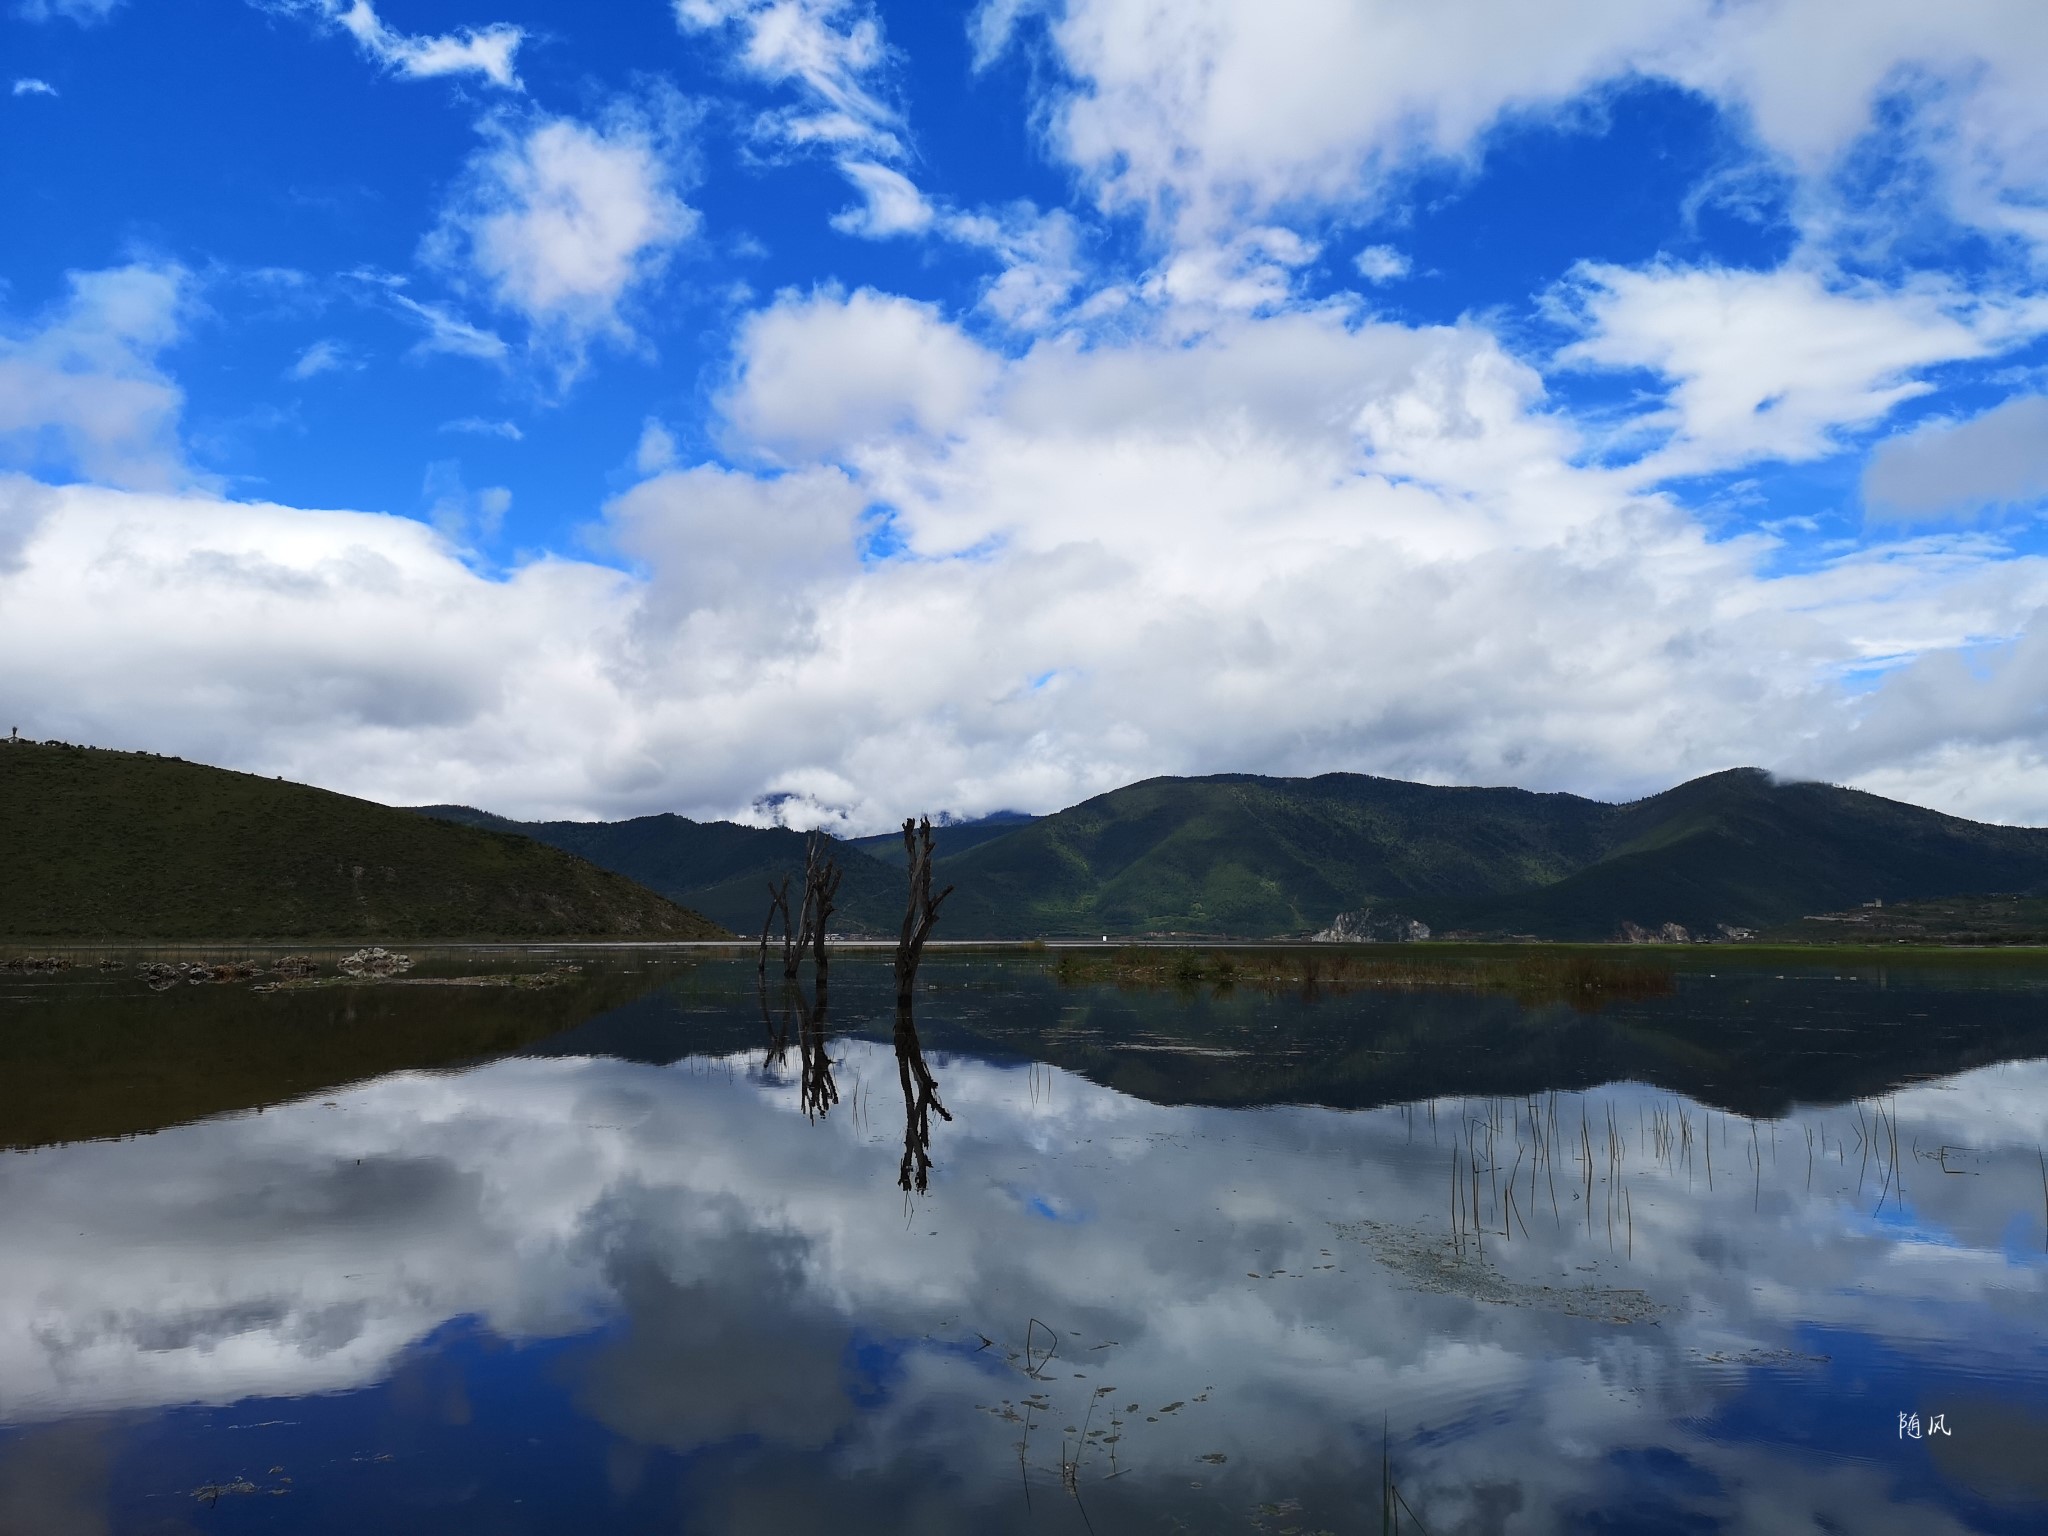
(1247,857)
(1584,980)
(114,846)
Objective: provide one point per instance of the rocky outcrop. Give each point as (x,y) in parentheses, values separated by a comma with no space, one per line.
(1366,926)
(1667,933)
(375,961)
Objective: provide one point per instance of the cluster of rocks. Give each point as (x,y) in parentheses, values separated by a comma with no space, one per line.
(375,962)
(1366,926)
(160,974)
(1675,933)
(36,963)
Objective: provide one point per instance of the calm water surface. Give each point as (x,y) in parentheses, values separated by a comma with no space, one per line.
(637,1252)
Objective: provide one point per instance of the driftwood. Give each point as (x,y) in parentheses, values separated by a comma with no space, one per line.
(921,912)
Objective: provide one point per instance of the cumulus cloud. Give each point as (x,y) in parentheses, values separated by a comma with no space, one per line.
(33,87)
(1253,270)
(1381,264)
(1949,469)
(561,221)
(1765,365)
(81,392)
(1211,112)
(352,632)
(816,375)
(1293,541)
(489,52)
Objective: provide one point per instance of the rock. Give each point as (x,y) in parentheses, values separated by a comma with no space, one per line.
(1665,933)
(375,961)
(1366,926)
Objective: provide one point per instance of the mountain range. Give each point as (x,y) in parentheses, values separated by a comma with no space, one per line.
(1245,856)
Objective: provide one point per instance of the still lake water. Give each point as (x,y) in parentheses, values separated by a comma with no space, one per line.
(420,1259)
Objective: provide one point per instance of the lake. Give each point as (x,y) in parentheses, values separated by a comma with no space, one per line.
(1760,1244)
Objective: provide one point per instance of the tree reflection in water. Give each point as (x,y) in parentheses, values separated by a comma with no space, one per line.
(920,1098)
(818,1091)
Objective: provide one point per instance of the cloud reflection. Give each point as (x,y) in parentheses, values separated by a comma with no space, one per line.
(1265,1286)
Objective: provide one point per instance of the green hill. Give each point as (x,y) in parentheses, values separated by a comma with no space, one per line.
(723,869)
(1742,849)
(99,846)
(1244,856)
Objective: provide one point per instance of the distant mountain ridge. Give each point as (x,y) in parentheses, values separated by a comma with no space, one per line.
(1246,856)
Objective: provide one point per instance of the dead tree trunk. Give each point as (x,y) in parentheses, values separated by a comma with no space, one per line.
(821,889)
(778,901)
(797,934)
(922,911)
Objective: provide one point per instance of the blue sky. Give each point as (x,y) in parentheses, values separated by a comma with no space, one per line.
(859,408)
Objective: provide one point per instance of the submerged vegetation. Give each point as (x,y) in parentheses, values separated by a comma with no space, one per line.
(1531,975)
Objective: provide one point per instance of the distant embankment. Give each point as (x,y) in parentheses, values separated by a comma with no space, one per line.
(102,847)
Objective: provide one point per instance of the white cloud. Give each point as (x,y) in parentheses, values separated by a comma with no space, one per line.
(1768,365)
(1210,112)
(832,50)
(1381,264)
(81,391)
(1292,543)
(891,203)
(817,375)
(1252,271)
(1206,111)
(489,51)
(445,332)
(1947,469)
(84,12)
(562,221)
(324,356)
(483,426)
(32,87)
(462,516)
(656,450)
